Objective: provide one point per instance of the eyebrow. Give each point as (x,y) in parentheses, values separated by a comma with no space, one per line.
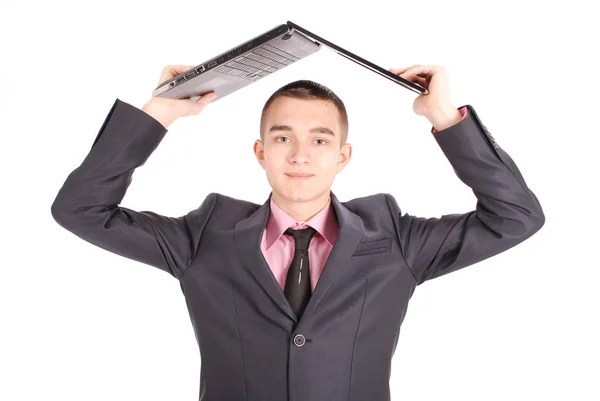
(320,130)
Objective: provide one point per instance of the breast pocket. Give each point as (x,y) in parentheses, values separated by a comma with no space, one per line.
(371,247)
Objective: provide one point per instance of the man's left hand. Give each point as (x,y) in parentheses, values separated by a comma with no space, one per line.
(436,105)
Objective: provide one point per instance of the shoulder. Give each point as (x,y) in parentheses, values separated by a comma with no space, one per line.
(381,208)
(381,202)
(224,204)
(225,207)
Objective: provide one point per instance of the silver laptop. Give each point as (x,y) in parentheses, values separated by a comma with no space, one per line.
(257,58)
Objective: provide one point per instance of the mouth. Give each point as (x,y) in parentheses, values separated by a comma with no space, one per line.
(299,176)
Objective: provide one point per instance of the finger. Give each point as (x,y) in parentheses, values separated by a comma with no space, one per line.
(401,70)
(207,97)
(173,70)
(204,100)
(420,70)
(421,81)
(420,78)
(427,72)
(411,74)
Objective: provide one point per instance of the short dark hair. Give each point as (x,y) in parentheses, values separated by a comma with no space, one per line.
(307,89)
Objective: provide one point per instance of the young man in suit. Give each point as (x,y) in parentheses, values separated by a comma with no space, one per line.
(302,297)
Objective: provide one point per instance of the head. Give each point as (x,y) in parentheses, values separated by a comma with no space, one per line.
(303,129)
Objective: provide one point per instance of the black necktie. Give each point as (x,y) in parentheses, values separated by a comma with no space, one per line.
(297,284)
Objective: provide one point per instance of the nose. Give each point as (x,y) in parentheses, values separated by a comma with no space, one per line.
(300,153)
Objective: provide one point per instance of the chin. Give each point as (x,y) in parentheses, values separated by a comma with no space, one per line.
(296,194)
(300,194)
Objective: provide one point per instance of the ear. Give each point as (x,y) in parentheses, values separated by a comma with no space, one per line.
(259,152)
(344,157)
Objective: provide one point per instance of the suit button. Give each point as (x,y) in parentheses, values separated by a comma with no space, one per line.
(299,340)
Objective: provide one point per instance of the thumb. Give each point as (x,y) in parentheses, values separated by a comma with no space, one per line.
(205,99)
(187,107)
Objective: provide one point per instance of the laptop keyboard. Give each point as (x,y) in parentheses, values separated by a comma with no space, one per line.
(257,63)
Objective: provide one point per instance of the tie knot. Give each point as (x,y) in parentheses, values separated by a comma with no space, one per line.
(302,237)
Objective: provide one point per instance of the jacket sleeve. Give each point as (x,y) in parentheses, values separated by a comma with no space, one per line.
(507,212)
(88,202)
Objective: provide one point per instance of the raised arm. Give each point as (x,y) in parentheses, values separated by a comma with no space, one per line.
(507,211)
(88,202)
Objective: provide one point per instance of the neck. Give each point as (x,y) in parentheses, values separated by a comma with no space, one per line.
(304,210)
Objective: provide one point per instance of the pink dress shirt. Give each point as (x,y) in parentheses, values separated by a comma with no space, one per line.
(278,248)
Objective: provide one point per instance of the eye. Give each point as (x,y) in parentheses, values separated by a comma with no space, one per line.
(285,137)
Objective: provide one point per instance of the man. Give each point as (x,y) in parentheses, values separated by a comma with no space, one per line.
(302,297)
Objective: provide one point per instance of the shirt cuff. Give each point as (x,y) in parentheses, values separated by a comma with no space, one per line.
(464,112)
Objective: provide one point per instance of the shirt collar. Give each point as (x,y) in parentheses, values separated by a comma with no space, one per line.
(278,221)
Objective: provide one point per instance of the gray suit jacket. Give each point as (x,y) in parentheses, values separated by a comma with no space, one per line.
(253,347)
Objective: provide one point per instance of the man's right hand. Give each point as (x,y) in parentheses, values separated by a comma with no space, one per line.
(166,110)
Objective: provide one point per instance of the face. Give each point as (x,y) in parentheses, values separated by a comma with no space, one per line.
(293,143)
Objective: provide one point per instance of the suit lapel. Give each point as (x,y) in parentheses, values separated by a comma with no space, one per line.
(248,235)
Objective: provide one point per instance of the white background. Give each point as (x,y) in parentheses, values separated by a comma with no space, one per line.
(80,323)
